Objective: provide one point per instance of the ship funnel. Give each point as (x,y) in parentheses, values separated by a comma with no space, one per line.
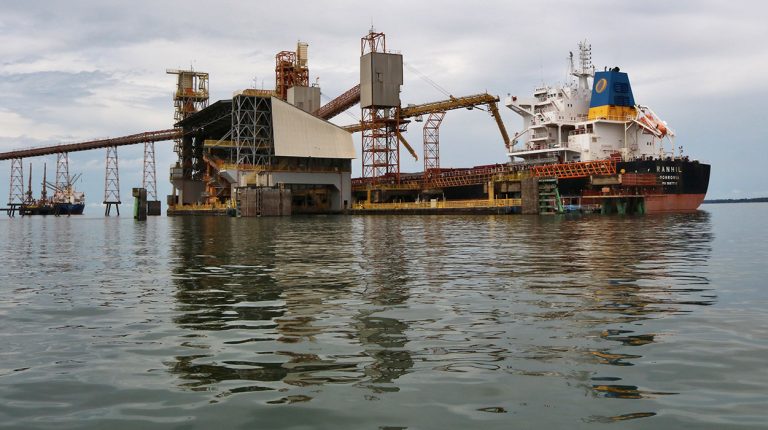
(612,97)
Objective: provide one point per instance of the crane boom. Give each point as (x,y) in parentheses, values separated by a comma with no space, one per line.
(406,144)
(449,104)
(495,113)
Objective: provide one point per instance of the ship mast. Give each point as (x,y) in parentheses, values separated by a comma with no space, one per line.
(43,192)
(586,69)
(29,200)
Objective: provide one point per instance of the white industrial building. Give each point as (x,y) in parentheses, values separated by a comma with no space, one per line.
(258,141)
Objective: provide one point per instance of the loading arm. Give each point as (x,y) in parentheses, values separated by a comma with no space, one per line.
(450,104)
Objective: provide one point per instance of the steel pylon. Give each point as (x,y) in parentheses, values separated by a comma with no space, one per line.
(111,182)
(149,182)
(62,171)
(16,192)
(432,141)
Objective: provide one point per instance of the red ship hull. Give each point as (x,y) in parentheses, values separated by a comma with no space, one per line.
(664,203)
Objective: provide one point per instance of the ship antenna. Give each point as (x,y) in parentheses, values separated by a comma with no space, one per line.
(586,69)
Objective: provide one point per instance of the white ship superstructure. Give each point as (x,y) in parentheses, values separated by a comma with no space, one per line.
(591,118)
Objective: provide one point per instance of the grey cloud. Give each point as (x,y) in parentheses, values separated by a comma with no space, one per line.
(28,92)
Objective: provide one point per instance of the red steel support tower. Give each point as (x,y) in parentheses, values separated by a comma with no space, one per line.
(149,180)
(291,70)
(62,171)
(191,96)
(380,104)
(285,62)
(111,182)
(16,192)
(432,142)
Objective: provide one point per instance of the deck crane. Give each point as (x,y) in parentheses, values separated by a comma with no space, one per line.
(435,109)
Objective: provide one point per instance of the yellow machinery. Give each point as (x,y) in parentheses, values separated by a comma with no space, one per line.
(466,102)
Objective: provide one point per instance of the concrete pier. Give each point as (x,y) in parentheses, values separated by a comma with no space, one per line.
(140,204)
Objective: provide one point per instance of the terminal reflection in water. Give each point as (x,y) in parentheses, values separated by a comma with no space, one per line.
(270,303)
(249,288)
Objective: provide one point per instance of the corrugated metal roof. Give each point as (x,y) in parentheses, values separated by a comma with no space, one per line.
(300,134)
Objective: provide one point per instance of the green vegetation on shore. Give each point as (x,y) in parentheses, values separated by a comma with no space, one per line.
(753,200)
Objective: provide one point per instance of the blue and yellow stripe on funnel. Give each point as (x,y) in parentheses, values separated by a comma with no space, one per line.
(611,96)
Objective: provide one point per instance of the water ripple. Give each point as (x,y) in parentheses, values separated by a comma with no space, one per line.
(468,320)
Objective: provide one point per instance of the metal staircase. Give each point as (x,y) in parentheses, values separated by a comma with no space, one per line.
(549,196)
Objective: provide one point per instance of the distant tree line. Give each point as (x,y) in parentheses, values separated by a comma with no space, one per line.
(754,200)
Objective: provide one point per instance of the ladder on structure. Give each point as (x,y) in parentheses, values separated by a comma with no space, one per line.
(549,196)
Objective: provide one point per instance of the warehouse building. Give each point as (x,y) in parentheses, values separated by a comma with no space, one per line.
(261,155)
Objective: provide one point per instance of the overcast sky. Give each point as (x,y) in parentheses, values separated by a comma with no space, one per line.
(79,70)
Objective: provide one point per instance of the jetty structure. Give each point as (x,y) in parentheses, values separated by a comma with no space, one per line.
(274,152)
(257,154)
(585,146)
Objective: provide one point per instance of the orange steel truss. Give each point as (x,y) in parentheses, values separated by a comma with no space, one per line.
(464,177)
(380,144)
(191,96)
(150,136)
(381,148)
(575,170)
(373,42)
(341,103)
(432,141)
(288,73)
(438,178)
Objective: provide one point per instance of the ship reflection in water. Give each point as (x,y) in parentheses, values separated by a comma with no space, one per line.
(287,309)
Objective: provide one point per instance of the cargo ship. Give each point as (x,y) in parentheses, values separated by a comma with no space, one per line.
(65,200)
(68,201)
(627,150)
(585,146)
(71,203)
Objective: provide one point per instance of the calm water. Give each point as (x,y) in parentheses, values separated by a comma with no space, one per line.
(386,322)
